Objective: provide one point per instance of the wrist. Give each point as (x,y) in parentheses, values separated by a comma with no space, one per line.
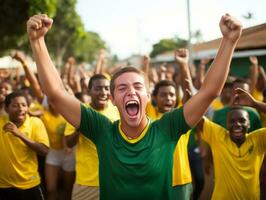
(229,41)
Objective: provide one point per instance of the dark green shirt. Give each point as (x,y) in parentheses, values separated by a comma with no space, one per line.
(141,170)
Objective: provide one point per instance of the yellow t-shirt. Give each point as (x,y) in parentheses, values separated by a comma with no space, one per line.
(181,168)
(236,170)
(36,106)
(86,154)
(217,104)
(19,166)
(263,119)
(55,126)
(257,95)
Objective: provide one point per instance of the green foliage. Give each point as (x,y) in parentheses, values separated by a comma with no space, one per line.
(69,38)
(66,38)
(44,6)
(86,47)
(13,17)
(165,45)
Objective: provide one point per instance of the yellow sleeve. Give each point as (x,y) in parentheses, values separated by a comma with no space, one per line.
(69,130)
(257,95)
(260,139)
(151,111)
(39,132)
(212,132)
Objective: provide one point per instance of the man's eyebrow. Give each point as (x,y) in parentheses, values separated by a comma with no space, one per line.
(124,84)
(121,84)
(138,83)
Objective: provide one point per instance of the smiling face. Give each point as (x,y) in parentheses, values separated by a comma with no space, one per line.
(100,93)
(166,98)
(131,97)
(17,110)
(238,124)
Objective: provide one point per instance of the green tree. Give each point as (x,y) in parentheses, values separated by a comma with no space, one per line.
(68,36)
(165,45)
(86,47)
(13,17)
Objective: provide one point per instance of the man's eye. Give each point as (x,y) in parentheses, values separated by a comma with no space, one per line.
(138,87)
(121,88)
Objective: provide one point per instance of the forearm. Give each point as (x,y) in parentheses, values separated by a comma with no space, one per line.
(201,74)
(33,82)
(72,140)
(263,75)
(98,68)
(212,85)
(70,76)
(39,148)
(218,72)
(185,77)
(49,78)
(260,106)
(253,77)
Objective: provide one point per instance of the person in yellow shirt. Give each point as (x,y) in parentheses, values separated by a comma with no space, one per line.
(21,138)
(244,98)
(87,181)
(237,156)
(60,161)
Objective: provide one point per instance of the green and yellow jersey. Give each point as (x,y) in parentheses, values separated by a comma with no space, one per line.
(134,169)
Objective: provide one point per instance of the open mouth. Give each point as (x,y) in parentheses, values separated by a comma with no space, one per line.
(238,132)
(132,108)
(169,105)
(102,99)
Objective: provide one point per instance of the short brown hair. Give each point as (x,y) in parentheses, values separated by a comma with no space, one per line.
(122,71)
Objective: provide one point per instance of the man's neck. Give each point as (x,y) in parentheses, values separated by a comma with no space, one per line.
(98,108)
(239,142)
(134,132)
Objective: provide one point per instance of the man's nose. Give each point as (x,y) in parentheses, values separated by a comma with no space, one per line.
(131,91)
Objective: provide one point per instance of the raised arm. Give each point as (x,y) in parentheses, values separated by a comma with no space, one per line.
(71,72)
(215,78)
(254,72)
(243,98)
(100,62)
(51,84)
(200,75)
(182,56)
(19,56)
(263,75)
(146,65)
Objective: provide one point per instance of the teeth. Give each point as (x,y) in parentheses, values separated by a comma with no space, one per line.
(238,130)
(131,102)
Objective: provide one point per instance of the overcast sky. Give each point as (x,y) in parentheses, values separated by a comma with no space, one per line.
(132,26)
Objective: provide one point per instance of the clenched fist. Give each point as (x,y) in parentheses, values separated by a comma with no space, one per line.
(231,28)
(38,26)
